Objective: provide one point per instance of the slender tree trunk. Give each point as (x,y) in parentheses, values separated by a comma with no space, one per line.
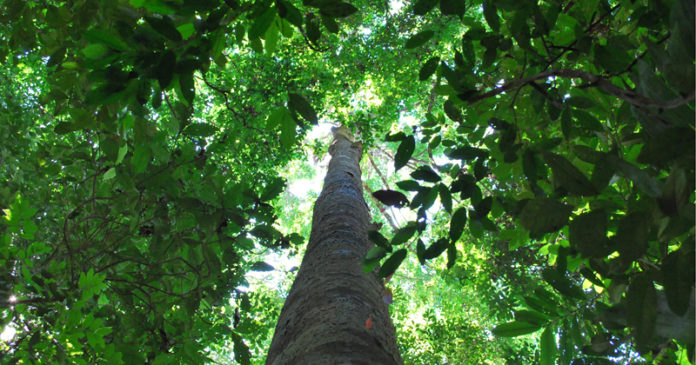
(334,313)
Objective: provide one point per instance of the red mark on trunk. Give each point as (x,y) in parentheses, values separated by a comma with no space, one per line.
(368,323)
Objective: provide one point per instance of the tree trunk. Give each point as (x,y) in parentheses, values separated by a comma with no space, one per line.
(334,313)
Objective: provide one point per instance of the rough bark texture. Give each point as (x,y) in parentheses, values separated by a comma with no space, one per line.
(324,317)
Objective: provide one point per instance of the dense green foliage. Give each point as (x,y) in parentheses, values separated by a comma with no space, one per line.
(546,150)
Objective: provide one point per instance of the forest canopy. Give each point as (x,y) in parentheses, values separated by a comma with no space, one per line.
(529,166)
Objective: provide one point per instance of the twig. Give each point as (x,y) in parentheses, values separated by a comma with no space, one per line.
(593,80)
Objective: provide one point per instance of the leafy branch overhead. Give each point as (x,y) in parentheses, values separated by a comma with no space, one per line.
(542,153)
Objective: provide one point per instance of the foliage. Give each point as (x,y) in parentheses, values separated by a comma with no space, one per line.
(573,124)
(142,144)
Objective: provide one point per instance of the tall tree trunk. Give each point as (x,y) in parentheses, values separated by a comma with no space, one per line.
(334,313)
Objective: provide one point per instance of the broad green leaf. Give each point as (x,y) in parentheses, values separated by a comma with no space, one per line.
(392,263)
(106,38)
(375,253)
(261,266)
(200,130)
(678,281)
(282,117)
(422,7)
(273,189)
(544,215)
(420,251)
(532,316)
(109,174)
(425,173)
(299,104)
(514,328)
(452,7)
(262,23)
(435,249)
(562,284)
(640,178)
(457,224)
(451,254)
(491,14)
(95,51)
(404,152)
(588,233)
(403,234)
(186,30)
(547,346)
(419,39)
(641,308)
(141,158)
(445,197)
(337,9)
(408,185)
(164,26)
(428,68)
(241,350)
(631,239)
(377,238)
(568,176)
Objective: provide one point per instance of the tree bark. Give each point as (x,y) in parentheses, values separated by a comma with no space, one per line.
(334,313)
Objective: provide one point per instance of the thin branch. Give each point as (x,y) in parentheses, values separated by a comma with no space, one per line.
(593,80)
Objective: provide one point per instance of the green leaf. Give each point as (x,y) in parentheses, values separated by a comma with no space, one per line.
(422,7)
(262,23)
(186,30)
(491,14)
(547,346)
(273,189)
(425,173)
(631,239)
(109,174)
(95,51)
(641,309)
(419,39)
(302,106)
(568,176)
(457,224)
(678,281)
(437,248)
(403,234)
(428,68)
(588,233)
(377,238)
(164,26)
(288,128)
(514,328)
(408,185)
(451,254)
(544,215)
(261,266)
(106,38)
(375,253)
(562,284)
(531,316)
(420,251)
(445,197)
(392,263)
(241,350)
(640,178)
(337,9)
(452,7)
(200,130)
(141,158)
(404,152)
